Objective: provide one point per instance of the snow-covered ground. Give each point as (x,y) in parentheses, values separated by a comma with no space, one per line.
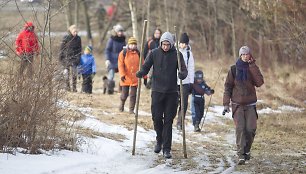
(102,155)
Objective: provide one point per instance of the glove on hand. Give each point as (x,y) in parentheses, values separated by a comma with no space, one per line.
(139,74)
(226,110)
(123,78)
(212,91)
(181,75)
(107,63)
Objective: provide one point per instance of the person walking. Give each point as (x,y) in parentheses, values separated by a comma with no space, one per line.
(199,88)
(113,47)
(128,64)
(151,44)
(87,68)
(164,94)
(241,80)
(27,47)
(70,54)
(187,83)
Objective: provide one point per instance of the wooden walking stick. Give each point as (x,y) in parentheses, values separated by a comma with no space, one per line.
(219,73)
(139,83)
(181,95)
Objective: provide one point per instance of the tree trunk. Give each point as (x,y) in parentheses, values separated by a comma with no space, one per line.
(76,16)
(87,21)
(166,15)
(68,13)
(148,18)
(159,15)
(215,30)
(133,18)
(233,33)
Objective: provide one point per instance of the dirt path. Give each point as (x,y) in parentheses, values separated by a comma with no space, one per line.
(211,151)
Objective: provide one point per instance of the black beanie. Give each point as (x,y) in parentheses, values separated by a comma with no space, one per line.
(184,38)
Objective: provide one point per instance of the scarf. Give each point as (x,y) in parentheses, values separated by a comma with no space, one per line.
(242,70)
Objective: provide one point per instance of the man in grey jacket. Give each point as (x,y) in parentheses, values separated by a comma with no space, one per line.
(164,90)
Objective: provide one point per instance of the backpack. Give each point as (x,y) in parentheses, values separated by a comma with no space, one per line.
(233,70)
(125,50)
(149,43)
(188,54)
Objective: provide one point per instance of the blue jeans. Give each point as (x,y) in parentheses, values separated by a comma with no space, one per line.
(111,74)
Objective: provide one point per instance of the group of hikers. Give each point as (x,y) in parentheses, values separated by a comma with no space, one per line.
(161,74)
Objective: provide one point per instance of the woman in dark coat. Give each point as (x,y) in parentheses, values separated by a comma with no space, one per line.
(114,46)
(70,54)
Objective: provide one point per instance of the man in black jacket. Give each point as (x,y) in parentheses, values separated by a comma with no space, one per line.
(70,54)
(164,89)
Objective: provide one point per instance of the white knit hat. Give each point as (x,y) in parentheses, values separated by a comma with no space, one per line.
(244,50)
(118,28)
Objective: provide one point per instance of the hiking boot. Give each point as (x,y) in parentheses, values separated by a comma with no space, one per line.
(157,147)
(247,156)
(197,128)
(131,112)
(167,154)
(241,161)
(121,106)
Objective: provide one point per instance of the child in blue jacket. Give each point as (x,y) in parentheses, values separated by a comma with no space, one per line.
(87,68)
(199,88)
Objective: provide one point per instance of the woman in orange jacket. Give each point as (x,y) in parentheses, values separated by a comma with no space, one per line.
(128,65)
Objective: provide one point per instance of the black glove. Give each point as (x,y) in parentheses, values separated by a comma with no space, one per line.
(181,75)
(139,74)
(212,91)
(226,110)
(123,78)
(145,82)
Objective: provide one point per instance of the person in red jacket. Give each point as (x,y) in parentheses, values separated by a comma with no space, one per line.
(27,47)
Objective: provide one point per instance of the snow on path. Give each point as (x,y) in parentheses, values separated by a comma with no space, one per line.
(102,155)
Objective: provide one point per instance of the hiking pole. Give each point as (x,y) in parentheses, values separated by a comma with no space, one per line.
(139,83)
(219,73)
(181,94)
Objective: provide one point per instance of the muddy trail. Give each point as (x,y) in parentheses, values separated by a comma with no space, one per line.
(210,151)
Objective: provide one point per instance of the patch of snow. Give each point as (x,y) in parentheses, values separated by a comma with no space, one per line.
(281,109)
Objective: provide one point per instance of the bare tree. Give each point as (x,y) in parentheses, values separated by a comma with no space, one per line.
(133,11)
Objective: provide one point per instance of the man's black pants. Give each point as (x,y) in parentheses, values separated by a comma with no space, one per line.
(163,107)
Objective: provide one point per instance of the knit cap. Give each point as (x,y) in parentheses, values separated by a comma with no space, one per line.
(132,40)
(88,48)
(118,28)
(184,38)
(244,50)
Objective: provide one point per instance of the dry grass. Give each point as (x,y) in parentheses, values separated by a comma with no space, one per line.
(29,115)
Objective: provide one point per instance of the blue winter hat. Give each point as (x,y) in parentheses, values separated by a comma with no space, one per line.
(199,74)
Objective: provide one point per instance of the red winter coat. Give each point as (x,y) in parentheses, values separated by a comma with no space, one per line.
(26,41)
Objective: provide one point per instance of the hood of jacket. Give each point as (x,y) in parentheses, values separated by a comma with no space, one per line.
(167,36)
